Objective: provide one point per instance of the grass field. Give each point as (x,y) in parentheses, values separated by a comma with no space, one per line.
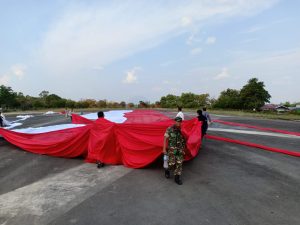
(268,115)
(265,115)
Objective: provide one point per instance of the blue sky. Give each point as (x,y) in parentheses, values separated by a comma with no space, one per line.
(142,50)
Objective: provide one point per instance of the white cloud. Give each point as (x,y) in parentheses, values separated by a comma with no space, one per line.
(210,40)
(99,68)
(87,35)
(253,29)
(186,21)
(17,70)
(224,74)
(264,26)
(4,80)
(131,76)
(169,62)
(157,89)
(249,40)
(193,38)
(196,51)
(277,69)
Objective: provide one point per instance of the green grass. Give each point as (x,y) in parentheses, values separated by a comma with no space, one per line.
(264,115)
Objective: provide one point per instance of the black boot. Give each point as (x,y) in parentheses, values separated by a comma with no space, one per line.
(178,180)
(100,164)
(167,174)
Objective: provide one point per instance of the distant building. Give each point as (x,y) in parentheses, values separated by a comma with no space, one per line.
(275,108)
(269,107)
(297,108)
(282,109)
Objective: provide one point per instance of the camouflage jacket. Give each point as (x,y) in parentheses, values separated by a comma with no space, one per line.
(176,140)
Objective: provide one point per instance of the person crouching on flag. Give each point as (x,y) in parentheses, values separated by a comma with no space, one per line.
(174,145)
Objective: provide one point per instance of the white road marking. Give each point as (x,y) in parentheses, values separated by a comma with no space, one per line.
(217,115)
(254,133)
(50,197)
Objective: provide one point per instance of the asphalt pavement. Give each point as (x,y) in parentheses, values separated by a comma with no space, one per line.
(225,184)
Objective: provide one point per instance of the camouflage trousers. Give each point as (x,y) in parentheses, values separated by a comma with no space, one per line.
(175,162)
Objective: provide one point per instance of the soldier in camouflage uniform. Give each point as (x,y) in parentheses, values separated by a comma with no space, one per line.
(175,150)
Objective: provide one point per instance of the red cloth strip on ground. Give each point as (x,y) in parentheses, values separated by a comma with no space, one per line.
(250,144)
(257,127)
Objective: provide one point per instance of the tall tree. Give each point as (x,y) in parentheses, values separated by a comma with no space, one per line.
(229,99)
(8,98)
(54,101)
(203,99)
(122,104)
(254,95)
(189,100)
(143,104)
(44,94)
(70,103)
(169,101)
(102,103)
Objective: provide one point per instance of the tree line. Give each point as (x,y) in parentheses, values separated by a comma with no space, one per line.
(10,100)
(251,96)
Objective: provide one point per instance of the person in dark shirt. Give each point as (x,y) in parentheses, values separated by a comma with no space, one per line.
(1,120)
(100,164)
(203,119)
(100,114)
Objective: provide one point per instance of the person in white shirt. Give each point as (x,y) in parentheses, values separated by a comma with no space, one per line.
(180,113)
(3,121)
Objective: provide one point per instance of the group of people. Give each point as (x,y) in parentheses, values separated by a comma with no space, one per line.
(203,116)
(175,144)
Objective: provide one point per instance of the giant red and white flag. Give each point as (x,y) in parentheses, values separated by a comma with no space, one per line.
(132,138)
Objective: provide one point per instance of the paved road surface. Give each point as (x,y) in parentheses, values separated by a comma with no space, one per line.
(225,184)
